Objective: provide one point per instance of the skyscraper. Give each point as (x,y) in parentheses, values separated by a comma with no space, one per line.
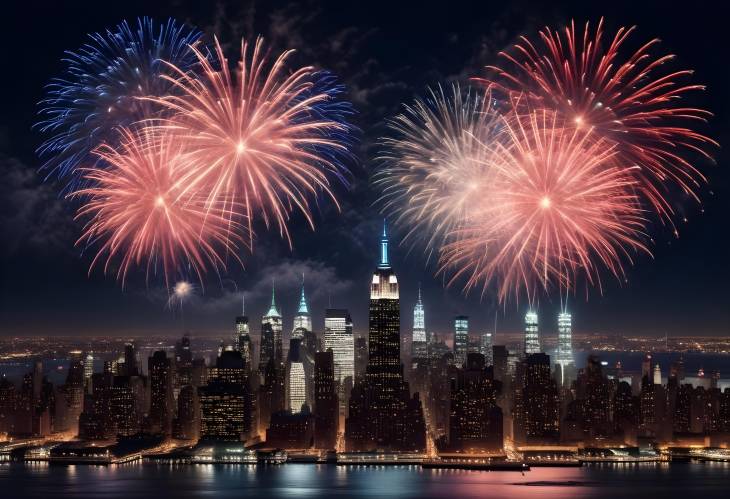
(338,337)
(564,354)
(88,368)
(382,414)
(160,414)
(302,321)
(532,338)
(485,348)
(271,339)
(326,405)
(131,365)
(419,347)
(541,400)
(296,378)
(226,402)
(361,356)
(242,340)
(297,387)
(461,339)
(186,424)
(594,386)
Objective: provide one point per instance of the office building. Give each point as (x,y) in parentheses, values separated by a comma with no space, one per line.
(532,337)
(461,339)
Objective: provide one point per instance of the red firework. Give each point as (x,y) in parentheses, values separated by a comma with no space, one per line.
(143,210)
(631,99)
(559,206)
(256,136)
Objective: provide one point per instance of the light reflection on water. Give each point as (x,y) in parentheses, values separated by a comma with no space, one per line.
(156,481)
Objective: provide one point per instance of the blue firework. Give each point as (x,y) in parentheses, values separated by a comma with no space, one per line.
(99,87)
(336,108)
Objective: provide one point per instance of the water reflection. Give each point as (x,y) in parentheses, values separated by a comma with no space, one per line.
(154,481)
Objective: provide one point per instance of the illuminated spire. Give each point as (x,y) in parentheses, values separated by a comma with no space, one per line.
(273,312)
(419,323)
(384,261)
(303,308)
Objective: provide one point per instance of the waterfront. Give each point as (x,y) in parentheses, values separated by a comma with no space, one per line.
(149,480)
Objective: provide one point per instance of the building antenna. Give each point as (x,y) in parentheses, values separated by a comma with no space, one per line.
(243,303)
(494,336)
(329,299)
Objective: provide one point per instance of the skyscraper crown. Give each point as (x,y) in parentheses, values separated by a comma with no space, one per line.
(303,308)
(273,311)
(384,261)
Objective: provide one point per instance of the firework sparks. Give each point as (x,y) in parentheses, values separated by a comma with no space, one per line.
(99,88)
(518,200)
(435,164)
(261,137)
(143,210)
(629,98)
(181,291)
(559,206)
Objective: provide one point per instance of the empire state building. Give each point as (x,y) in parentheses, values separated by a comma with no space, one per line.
(384,320)
(383,415)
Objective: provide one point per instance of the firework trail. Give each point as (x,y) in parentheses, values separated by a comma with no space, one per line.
(99,90)
(628,97)
(559,206)
(142,210)
(262,137)
(435,164)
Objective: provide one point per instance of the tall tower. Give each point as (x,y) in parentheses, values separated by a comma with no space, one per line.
(271,340)
(461,339)
(418,346)
(384,319)
(326,412)
(161,399)
(296,381)
(302,321)
(485,348)
(242,341)
(338,337)
(532,339)
(88,366)
(382,414)
(564,354)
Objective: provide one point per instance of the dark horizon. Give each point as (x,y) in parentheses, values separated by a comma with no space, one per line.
(385,55)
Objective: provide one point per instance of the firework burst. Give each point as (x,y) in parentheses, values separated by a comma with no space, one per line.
(435,164)
(99,88)
(261,137)
(627,97)
(142,210)
(179,294)
(559,205)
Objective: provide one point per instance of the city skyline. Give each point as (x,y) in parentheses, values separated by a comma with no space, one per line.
(372,249)
(484,398)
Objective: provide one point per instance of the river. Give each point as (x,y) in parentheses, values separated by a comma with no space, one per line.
(156,481)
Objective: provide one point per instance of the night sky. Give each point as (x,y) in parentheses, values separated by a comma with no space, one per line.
(386,54)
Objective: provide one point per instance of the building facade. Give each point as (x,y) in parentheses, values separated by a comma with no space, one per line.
(532,337)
